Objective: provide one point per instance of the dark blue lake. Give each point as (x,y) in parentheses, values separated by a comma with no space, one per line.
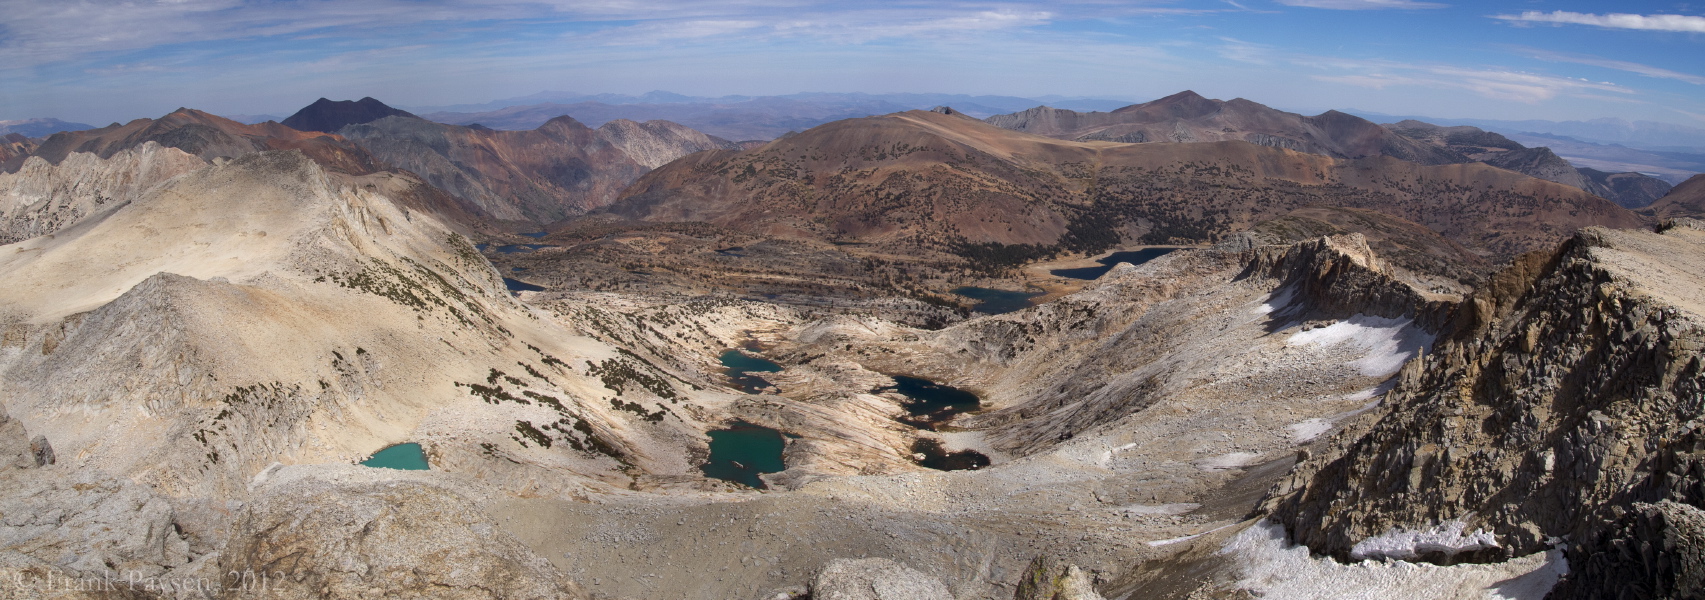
(736,251)
(1135,257)
(742,451)
(516,285)
(938,458)
(739,367)
(932,402)
(995,302)
(514,248)
(406,457)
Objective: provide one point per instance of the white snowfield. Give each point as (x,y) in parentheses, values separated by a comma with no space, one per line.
(1445,537)
(1269,567)
(1386,343)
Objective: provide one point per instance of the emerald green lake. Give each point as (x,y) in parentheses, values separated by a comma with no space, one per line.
(406,457)
(742,451)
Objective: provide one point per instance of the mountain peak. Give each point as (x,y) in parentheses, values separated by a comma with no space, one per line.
(331,115)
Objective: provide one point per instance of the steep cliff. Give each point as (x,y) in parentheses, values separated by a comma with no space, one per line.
(1570,390)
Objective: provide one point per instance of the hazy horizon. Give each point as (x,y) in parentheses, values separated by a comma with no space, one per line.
(104,61)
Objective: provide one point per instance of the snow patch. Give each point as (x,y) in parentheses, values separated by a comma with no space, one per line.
(1228,461)
(1280,298)
(1159,509)
(1444,538)
(1269,567)
(1386,343)
(1308,430)
(1176,540)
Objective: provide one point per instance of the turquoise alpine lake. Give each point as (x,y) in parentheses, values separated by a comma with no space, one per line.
(406,457)
(742,451)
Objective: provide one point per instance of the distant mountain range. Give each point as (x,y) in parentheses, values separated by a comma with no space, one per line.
(920,183)
(730,117)
(1645,135)
(40,127)
(1188,117)
(983,105)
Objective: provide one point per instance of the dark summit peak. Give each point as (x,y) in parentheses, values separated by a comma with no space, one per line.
(331,115)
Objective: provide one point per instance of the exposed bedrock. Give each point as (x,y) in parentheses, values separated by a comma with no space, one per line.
(1570,392)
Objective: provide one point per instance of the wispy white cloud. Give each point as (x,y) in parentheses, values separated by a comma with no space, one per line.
(1682,23)
(1620,65)
(1361,4)
(1488,82)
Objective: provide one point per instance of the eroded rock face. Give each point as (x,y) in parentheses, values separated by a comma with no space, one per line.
(345,532)
(43,198)
(1571,390)
(875,579)
(1655,551)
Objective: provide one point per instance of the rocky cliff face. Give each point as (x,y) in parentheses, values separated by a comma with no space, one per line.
(42,198)
(656,143)
(1570,390)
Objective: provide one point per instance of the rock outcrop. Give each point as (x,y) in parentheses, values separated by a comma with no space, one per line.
(43,198)
(875,579)
(656,143)
(347,532)
(1570,389)
(1050,579)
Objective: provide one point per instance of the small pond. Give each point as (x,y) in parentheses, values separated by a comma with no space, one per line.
(739,367)
(932,402)
(516,285)
(406,457)
(994,302)
(1135,257)
(937,457)
(736,251)
(537,235)
(742,451)
(514,248)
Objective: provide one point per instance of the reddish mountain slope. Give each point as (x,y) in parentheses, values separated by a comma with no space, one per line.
(1188,117)
(206,135)
(1685,200)
(542,176)
(922,181)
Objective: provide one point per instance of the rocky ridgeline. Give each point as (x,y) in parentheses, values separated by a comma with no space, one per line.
(1336,277)
(42,198)
(1566,408)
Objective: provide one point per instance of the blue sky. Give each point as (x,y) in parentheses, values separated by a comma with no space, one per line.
(99,61)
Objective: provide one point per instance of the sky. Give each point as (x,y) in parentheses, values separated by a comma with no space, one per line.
(102,61)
